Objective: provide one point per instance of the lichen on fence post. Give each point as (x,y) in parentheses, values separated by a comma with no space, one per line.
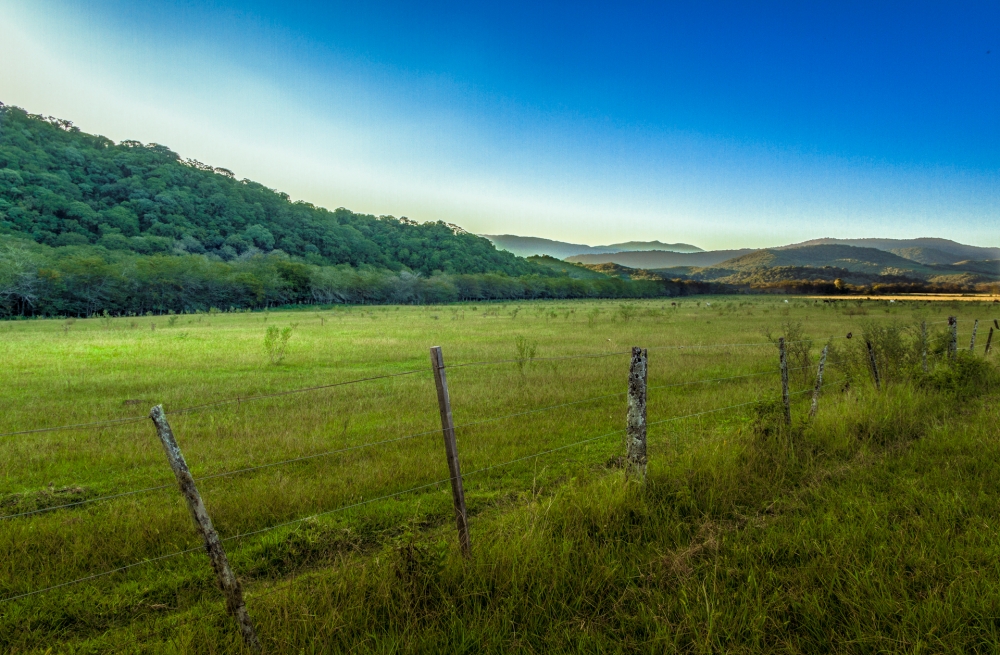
(819,382)
(228,582)
(635,432)
(975,328)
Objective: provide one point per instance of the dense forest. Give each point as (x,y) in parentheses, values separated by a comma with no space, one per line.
(89,226)
(62,187)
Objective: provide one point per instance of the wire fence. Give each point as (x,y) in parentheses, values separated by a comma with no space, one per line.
(385,442)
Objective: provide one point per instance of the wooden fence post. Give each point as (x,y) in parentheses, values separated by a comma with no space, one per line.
(819,382)
(451,451)
(783,356)
(975,328)
(874,365)
(220,563)
(953,340)
(923,341)
(989,340)
(635,431)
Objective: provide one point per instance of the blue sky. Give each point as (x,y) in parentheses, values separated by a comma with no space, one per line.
(718,124)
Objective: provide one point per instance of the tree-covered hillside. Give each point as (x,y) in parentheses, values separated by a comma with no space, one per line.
(62,187)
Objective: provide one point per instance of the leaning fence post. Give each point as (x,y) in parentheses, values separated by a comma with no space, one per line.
(783,355)
(874,365)
(451,451)
(220,563)
(953,340)
(989,340)
(635,432)
(923,343)
(819,382)
(975,327)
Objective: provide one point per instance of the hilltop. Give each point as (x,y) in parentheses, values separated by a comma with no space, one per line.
(650,259)
(62,187)
(528,246)
(924,250)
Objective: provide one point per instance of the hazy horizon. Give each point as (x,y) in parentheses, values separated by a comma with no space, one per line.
(734,128)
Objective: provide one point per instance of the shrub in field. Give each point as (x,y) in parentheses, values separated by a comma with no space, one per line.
(967,376)
(627,312)
(276,343)
(525,351)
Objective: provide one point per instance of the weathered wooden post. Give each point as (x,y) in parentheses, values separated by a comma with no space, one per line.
(953,340)
(923,344)
(230,586)
(975,328)
(989,340)
(451,451)
(635,431)
(874,365)
(819,382)
(783,357)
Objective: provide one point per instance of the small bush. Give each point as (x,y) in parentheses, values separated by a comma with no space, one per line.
(276,343)
(525,351)
(966,376)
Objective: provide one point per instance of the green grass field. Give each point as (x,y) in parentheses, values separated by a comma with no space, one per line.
(871,528)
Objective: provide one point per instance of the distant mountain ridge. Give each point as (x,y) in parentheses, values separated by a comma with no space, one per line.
(654,259)
(926,250)
(529,246)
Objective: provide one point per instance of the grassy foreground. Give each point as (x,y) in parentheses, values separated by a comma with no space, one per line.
(871,528)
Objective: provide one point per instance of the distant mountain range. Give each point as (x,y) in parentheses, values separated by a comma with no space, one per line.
(858,262)
(925,251)
(650,259)
(528,246)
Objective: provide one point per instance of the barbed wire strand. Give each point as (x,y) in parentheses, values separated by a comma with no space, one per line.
(365,445)
(229,401)
(366,502)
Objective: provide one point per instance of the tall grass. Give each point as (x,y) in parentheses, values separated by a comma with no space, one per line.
(747,536)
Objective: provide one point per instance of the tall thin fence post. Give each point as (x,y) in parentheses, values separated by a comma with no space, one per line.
(989,341)
(874,365)
(819,382)
(975,328)
(635,432)
(953,338)
(923,344)
(451,451)
(783,356)
(228,582)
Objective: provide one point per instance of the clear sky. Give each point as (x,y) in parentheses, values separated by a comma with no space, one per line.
(717,124)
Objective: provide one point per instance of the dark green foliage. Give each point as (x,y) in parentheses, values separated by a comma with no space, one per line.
(62,187)
(966,376)
(89,226)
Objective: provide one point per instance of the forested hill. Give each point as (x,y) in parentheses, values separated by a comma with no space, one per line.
(63,187)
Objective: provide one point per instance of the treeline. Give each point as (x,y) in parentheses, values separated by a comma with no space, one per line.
(86,281)
(62,187)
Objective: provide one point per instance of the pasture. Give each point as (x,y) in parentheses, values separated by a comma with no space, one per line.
(872,527)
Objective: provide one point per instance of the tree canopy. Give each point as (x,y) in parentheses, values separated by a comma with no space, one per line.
(60,186)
